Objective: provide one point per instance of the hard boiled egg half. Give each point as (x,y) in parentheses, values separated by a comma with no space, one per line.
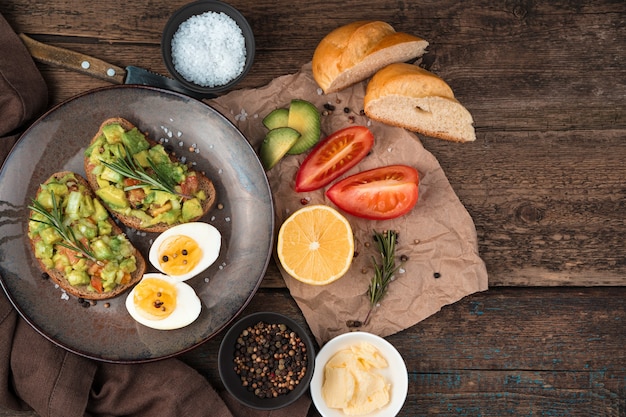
(163,303)
(186,250)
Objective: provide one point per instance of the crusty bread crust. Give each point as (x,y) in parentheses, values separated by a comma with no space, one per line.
(204,184)
(408,96)
(354,52)
(82,291)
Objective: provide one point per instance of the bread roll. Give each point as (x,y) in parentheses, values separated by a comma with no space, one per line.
(408,96)
(354,52)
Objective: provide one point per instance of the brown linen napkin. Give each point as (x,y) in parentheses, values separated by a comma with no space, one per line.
(438,237)
(36,374)
(24,92)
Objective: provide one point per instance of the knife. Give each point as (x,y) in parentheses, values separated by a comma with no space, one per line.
(98,68)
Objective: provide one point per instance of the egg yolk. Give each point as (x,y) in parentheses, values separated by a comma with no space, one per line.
(154,298)
(179,254)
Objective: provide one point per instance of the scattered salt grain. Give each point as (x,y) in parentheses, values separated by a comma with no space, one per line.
(209,49)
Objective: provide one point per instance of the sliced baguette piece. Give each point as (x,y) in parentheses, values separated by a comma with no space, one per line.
(204,184)
(354,52)
(59,277)
(408,96)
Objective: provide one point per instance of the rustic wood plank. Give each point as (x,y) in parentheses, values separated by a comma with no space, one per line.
(544,183)
(503,352)
(545,219)
(536,54)
(550,217)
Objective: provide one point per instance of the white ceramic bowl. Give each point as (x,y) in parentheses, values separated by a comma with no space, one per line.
(395,373)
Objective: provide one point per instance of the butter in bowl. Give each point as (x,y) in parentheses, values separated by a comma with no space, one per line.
(359,373)
(208,46)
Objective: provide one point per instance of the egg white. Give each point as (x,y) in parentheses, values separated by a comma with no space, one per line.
(208,238)
(188,306)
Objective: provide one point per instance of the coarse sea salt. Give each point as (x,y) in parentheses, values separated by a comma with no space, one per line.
(209,49)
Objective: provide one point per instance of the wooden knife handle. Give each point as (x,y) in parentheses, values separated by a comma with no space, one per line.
(74,61)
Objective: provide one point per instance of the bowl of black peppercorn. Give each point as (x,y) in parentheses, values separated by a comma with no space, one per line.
(266,360)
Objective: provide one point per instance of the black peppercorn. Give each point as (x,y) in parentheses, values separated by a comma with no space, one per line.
(271,359)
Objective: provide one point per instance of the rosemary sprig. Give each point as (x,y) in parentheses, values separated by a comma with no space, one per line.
(126,167)
(54,219)
(383,272)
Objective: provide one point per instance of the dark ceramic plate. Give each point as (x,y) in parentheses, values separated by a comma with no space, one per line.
(244,215)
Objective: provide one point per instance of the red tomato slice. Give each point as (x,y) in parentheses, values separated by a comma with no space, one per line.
(377,194)
(333,156)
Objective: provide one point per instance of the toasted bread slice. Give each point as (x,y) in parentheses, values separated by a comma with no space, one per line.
(131,215)
(54,258)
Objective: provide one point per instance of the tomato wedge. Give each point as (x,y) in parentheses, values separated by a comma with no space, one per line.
(333,156)
(378,194)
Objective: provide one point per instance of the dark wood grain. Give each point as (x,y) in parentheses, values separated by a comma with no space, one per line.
(543,80)
(545,182)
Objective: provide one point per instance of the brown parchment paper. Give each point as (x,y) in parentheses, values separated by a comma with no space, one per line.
(437,236)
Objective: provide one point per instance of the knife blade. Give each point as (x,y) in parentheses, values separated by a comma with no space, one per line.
(103,70)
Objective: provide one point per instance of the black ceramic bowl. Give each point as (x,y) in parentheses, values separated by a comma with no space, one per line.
(199,8)
(232,381)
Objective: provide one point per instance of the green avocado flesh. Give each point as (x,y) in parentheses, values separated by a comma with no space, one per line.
(304,117)
(276,118)
(176,198)
(276,144)
(111,258)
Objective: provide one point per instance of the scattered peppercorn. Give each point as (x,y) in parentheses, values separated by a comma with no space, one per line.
(329,107)
(165,258)
(346,109)
(404,258)
(437,275)
(354,323)
(270,359)
(45,275)
(184,252)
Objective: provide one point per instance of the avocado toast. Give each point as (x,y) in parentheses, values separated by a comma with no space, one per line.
(77,243)
(140,183)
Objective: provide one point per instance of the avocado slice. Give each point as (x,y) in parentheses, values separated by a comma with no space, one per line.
(135,141)
(113,196)
(304,117)
(192,208)
(276,118)
(276,144)
(113,133)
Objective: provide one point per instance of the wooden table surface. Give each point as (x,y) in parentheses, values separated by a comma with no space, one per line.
(545,182)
